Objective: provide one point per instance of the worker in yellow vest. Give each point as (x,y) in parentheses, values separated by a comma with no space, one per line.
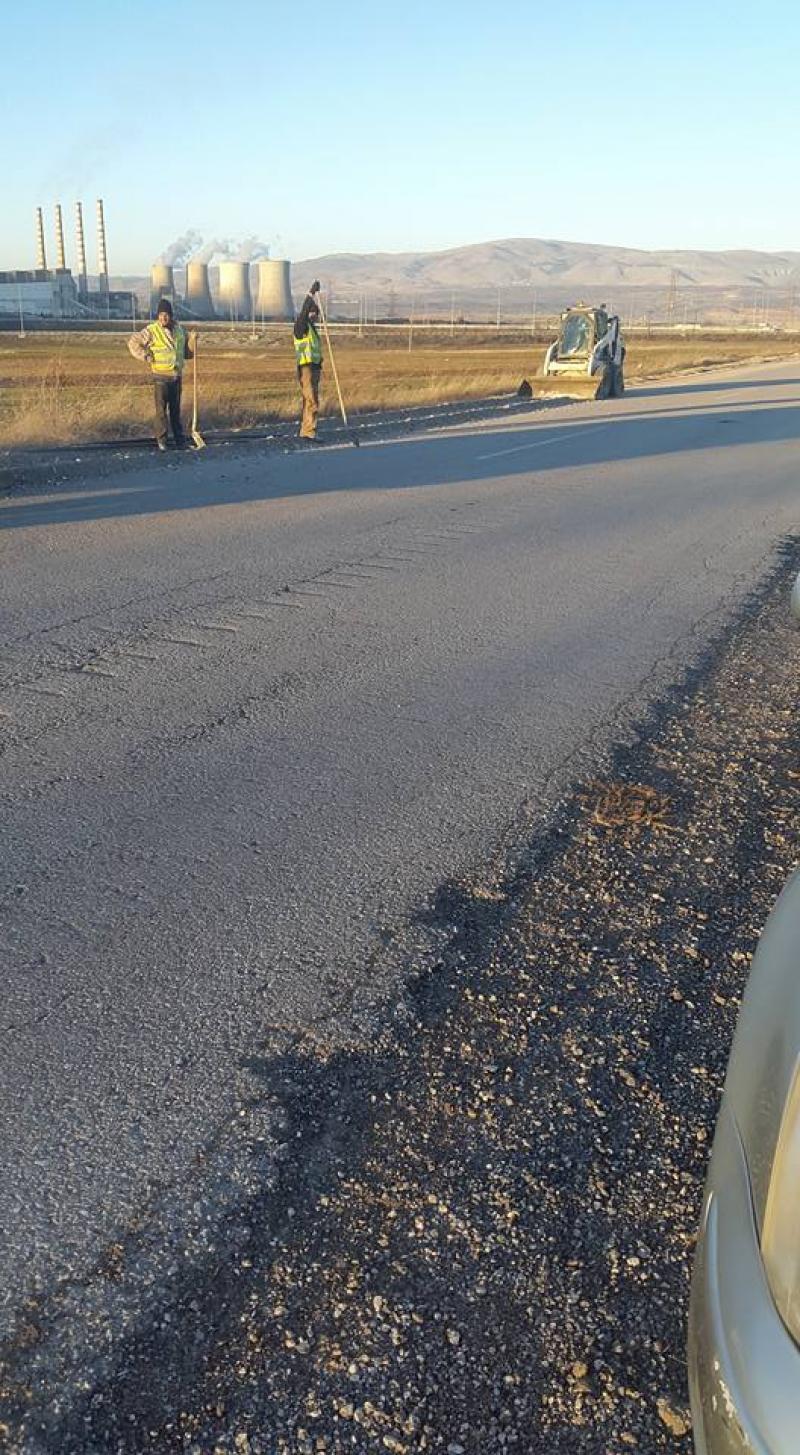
(308,357)
(165,347)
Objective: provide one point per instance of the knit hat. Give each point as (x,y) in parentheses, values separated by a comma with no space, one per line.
(164,306)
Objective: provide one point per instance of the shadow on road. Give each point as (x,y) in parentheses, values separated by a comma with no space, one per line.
(551,443)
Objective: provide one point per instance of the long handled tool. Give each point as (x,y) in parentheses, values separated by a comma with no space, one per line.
(199,442)
(353,436)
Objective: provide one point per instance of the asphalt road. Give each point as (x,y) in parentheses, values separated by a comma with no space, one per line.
(254,710)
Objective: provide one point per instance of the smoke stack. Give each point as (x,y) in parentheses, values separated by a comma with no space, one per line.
(162,285)
(198,292)
(274,299)
(80,244)
(102,259)
(234,291)
(41,256)
(61,261)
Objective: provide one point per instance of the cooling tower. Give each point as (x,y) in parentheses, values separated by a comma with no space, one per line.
(234,291)
(274,299)
(162,285)
(198,293)
(41,256)
(61,261)
(80,245)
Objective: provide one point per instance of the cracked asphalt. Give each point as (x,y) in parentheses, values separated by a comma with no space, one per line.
(280,734)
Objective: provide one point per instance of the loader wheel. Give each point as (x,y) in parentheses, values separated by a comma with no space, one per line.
(606,384)
(618,388)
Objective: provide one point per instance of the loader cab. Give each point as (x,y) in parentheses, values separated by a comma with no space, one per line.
(576,335)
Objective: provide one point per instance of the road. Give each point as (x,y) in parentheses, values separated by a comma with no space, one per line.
(255,709)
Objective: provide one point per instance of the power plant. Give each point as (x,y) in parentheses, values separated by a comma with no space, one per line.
(227,292)
(237,301)
(43,292)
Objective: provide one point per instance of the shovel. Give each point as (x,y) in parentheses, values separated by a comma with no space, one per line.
(197,438)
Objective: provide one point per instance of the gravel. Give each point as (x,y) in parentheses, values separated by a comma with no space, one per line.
(479,1232)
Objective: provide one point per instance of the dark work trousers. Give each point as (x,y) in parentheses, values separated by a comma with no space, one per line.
(167,394)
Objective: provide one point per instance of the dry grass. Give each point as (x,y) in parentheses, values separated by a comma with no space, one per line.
(70,388)
(626,805)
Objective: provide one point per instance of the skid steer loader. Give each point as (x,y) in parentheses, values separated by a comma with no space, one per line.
(587,359)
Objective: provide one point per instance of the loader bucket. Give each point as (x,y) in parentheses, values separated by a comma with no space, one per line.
(570,386)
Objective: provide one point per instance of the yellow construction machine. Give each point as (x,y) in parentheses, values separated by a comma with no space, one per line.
(587,359)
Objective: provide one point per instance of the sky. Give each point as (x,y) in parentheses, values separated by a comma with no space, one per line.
(363,127)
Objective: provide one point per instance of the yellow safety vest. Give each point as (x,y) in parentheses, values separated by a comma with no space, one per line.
(308,349)
(168,349)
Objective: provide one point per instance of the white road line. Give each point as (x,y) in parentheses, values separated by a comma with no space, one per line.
(537,444)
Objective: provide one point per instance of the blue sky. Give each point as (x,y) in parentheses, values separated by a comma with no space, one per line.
(363,126)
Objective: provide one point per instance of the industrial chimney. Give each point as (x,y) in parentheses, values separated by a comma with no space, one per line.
(274,299)
(162,285)
(61,261)
(80,245)
(41,255)
(102,258)
(198,292)
(234,291)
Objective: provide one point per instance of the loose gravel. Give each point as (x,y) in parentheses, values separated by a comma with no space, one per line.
(480,1231)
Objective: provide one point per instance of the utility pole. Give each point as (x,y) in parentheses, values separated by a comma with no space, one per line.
(21,333)
(411,327)
(452,313)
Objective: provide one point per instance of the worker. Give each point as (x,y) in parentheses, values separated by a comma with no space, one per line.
(308,355)
(164,346)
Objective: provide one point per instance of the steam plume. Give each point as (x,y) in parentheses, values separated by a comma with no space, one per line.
(181,249)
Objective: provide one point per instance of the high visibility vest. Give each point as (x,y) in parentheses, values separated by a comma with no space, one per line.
(308,349)
(168,349)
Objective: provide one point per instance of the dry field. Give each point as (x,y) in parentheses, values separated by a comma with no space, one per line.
(58,388)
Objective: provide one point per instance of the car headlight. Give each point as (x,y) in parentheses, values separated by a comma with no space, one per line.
(780,1237)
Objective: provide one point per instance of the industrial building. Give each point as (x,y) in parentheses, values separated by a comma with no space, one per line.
(39,293)
(54,292)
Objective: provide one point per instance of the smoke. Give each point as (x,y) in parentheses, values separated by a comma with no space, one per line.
(189,246)
(250,249)
(217,246)
(181,249)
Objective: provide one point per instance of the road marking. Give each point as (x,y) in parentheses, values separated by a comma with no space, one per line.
(538,444)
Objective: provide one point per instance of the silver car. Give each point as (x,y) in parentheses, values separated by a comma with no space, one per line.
(744,1323)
